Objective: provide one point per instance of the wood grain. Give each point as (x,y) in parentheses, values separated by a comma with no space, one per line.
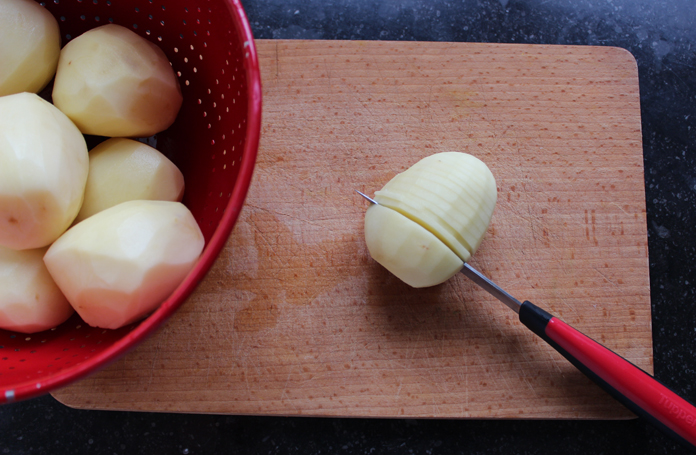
(295,318)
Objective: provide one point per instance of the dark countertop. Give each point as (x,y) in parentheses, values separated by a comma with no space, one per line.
(662,37)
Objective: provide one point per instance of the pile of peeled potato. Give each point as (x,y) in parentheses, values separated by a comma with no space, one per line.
(100,232)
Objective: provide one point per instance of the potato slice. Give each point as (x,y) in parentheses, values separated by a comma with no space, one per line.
(407,250)
(43,171)
(29,46)
(29,299)
(451,197)
(123,170)
(112,82)
(117,266)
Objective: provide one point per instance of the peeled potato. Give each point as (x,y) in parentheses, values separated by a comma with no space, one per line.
(29,46)
(451,196)
(117,266)
(112,82)
(43,171)
(29,299)
(123,170)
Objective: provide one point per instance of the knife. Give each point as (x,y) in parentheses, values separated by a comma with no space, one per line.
(631,386)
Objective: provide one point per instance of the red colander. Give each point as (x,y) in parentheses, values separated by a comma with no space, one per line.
(214,142)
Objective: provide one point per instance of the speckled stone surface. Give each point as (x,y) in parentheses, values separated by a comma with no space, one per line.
(662,37)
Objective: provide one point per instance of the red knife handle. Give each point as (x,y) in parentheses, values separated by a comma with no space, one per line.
(633,387)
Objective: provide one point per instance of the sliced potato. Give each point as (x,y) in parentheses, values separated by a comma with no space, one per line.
(112,82)
(29,299)
(123,170)
(451,194)
(29,46)
(406,249)
(450,197)
(43,171)
(117,266)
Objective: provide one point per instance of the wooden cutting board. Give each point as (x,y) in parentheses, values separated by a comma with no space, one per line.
(295,317)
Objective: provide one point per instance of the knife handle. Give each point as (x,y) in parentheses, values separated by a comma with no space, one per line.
(631,386)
